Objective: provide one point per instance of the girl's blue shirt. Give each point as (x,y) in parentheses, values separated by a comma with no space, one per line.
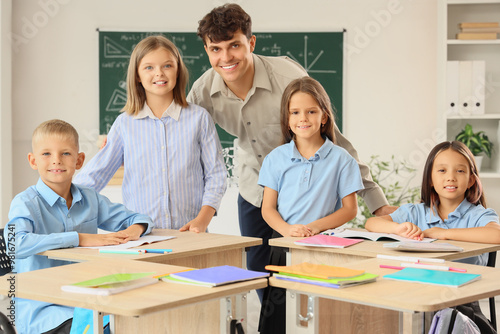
(310,189)
(465,215)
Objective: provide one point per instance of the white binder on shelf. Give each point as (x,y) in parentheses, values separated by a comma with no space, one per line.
(452,87)
(478,86)
(465,88)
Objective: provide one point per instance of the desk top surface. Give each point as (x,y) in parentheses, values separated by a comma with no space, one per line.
(370,249)
(45,285)
(184,244)
(404,296)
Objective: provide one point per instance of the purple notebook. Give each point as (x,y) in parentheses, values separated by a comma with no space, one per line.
(219,275)
(322,240)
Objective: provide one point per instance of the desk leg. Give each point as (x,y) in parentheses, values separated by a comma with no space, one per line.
(227,314)
(411,323)
(294,318)
(98,322)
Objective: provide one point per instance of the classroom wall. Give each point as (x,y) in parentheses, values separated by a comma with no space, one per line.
(390,85)
(5,109)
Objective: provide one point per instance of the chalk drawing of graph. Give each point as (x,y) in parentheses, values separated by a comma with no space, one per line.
(306,65)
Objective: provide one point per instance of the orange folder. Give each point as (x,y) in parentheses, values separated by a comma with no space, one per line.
(317,270)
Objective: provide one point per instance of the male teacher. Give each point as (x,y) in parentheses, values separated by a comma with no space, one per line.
(242,91)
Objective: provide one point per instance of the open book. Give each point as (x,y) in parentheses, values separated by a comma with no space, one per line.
(373,236)
(423,246)
(111,284)
(144,240)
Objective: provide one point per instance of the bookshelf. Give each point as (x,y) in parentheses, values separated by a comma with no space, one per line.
(450,14)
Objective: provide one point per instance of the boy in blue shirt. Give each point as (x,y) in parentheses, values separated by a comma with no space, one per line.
(55,213)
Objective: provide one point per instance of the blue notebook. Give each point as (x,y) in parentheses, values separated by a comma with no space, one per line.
(437,277)
(216,276)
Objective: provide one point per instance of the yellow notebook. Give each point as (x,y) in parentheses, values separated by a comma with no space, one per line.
(316,270)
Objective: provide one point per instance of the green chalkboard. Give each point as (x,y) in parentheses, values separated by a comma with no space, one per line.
(320,53)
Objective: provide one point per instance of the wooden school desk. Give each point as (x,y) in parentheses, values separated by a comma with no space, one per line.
(387,320)
(407,299)
(157,308)
(196,250)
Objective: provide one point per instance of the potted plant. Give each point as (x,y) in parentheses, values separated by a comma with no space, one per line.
(477,142)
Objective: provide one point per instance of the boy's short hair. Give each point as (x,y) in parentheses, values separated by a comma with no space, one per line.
(55,127)
(223,22)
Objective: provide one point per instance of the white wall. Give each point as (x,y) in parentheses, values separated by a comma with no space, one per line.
(390,105)
(5,110)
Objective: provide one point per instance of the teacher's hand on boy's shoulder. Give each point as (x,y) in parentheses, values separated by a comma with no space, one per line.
(385,210)
(92,240)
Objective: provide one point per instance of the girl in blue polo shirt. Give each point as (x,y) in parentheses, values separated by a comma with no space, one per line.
(310,183)
(453,203)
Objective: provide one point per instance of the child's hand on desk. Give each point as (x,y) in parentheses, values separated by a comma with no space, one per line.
(196,225)
(409,230)
(92,240)
(134,232)
(299,230)
(436,233)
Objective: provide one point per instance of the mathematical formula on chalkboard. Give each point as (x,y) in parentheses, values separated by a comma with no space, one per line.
(320,53)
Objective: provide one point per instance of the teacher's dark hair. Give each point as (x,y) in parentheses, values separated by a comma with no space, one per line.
(223,22)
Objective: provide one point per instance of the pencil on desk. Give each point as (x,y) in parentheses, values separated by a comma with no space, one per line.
(122,251)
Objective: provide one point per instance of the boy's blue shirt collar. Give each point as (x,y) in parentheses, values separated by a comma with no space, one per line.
(322,153)
(52,197)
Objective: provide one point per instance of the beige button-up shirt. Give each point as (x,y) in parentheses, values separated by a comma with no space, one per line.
(256,122)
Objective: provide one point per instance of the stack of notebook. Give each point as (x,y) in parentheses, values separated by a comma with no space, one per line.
(322,275)
(214,276)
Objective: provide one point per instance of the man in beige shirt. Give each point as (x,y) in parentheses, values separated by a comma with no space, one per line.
(242,91)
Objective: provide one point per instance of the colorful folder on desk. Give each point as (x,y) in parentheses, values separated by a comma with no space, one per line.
(214,276)
(322,240)
(445,278)
(337,283)
(111,284)
(316,270)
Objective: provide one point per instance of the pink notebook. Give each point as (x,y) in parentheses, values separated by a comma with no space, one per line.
(322,240)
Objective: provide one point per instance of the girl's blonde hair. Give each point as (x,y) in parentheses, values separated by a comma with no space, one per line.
(312,87)
(136,95)
(429,195)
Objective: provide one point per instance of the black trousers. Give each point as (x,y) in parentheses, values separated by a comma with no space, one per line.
(253,225)
(273,309)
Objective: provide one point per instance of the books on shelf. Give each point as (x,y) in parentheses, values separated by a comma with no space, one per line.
(323,240)
(111,284)
(478,30)
(373,236)
(436,277)
(214,276)
(321,271)
(423,246)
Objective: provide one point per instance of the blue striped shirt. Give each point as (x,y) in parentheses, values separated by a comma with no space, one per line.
(172,166)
